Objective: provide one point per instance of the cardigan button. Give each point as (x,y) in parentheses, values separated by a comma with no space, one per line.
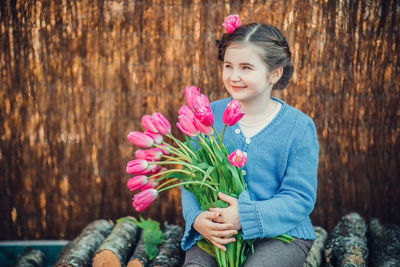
(248,141)
(237,131)
(244,172)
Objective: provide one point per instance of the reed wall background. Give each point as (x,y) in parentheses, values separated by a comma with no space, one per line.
(77,76)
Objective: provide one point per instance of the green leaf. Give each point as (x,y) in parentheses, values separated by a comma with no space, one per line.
(285,238)
(189,144)
(151,250)
(203,165)
(207,174)
(179,175)
(148,224)
(217,150)
(207,246)
(216,204)
(152,236)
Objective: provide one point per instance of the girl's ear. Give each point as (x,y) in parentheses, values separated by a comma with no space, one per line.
(276,75)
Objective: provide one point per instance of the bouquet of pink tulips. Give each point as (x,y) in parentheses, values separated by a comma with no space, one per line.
(206,166)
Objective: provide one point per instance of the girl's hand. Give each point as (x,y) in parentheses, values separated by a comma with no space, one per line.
(229,214)
(218,233)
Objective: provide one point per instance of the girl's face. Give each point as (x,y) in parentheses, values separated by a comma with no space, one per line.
(245,73)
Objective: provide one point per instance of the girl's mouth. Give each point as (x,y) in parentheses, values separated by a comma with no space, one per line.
(238,87)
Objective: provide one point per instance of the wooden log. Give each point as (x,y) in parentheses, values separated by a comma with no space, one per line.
(31,258)
(315,255)
(347,244)
(139,257)
(170,254)
(80,251)
(384,244)
(118,246)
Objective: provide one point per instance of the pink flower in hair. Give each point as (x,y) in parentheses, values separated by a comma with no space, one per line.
(232,22)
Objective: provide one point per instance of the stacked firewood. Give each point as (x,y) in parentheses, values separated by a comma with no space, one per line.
(103,244)
(352,243)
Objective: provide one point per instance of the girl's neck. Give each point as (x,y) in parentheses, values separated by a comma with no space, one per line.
(258,109)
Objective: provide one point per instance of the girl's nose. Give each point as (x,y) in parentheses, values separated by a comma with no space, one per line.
(235,76)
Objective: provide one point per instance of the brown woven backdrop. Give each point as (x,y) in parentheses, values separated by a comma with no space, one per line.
(77,76)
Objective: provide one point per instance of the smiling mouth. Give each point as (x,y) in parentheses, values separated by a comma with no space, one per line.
(239,87)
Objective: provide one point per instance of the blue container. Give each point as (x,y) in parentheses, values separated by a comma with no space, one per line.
(11,250)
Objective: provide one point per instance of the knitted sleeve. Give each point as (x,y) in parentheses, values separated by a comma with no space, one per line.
(294,199)
(190,209)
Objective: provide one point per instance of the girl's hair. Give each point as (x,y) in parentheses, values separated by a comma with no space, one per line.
(275,48)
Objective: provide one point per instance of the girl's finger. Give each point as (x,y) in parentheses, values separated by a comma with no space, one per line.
(226,233)
(219,219)
(218,245)
(226,198)
(223,241)
(221,226)
(211,215)
(215,210)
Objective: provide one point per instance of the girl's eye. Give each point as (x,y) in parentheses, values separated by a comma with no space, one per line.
(228,66)
(246,68)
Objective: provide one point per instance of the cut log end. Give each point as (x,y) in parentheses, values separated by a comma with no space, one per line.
(135,263)
(106,258)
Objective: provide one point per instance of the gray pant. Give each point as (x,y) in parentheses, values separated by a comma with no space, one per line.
(267,252)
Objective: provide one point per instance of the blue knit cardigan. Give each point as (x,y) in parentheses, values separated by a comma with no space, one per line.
(281,175)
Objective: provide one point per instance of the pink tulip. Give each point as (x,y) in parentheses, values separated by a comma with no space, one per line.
(191,92)
(152,183)
(158,171)
(186,125)
(137,182)
(161,123)
(137,166)
(238,158)
(147,121)
(164,150)
(143,200)
(231,23)
(152,154)
(140,139)
(233,113)
(149,170)
(202,110)
(201,101)
(157,138)
(185,110)
(203,128)
(205,116)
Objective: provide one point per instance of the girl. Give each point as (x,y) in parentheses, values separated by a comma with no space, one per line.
(282,150)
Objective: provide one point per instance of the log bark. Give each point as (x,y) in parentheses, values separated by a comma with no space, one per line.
(170,254)
(347,244)
(315,256)
(384,244)
(139,257)
(31,258)
(118,246)
(80,251)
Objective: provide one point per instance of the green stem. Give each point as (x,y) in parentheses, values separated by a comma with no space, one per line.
(175,158)
(213,158)
(168,171)
(166,183)
(182,145)
(179,163)
(183,183)
(174,150)
(219,137)
(223,133)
